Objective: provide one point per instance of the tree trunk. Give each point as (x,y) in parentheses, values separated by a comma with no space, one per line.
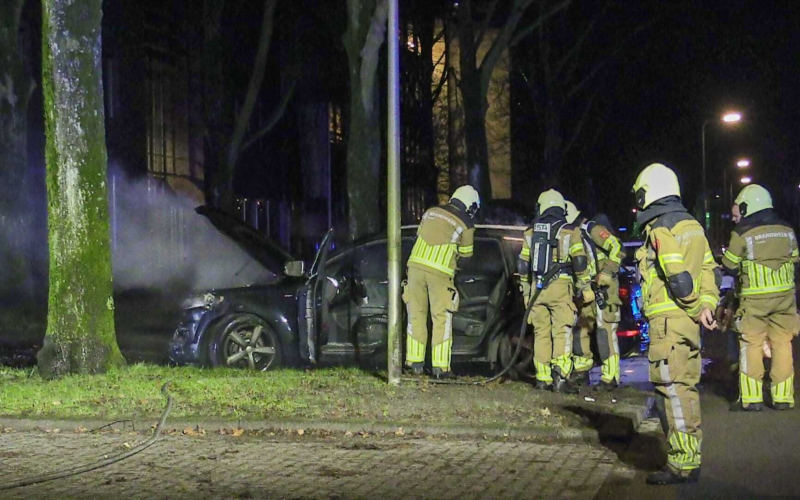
(15,90)
(80,324)
(475,107)
(365,34)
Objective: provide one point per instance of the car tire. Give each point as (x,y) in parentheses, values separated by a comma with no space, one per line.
(506,352)
(244,341)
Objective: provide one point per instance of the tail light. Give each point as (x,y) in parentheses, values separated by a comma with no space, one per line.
(627,333)
(624,292)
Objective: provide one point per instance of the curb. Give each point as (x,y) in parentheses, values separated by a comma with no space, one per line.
(618,426)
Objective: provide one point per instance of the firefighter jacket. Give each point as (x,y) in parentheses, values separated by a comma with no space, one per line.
(568,251)
(445,233)
(678,271)
(762,253)
(604,254)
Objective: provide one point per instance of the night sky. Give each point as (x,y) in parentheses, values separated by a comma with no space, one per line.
(697,60)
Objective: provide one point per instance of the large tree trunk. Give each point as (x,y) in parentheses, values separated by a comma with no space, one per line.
(15,89)
(80,324)
(475,107)
(365,34)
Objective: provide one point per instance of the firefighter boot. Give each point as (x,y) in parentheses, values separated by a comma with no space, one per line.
(440,374)
(414,368)
(579,378)
(738,406)
(562,385)
(781,406)
(603,386)
(668,476)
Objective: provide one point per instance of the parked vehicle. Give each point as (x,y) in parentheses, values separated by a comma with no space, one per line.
(335,311)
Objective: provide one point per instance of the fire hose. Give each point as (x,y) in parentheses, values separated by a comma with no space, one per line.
(74,471)
(546,279)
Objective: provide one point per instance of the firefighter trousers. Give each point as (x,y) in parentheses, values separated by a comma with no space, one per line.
(772,319)
(553,317)
(430,291)
(675,372)
(604,323)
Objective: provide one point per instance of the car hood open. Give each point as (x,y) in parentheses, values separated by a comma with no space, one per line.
(257,245)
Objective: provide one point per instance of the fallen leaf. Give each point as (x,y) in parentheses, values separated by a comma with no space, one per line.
(300,432)
(80,429)
(399,432)
(237,432)
(127,446)
(189,432)
(348,434)
(545,412)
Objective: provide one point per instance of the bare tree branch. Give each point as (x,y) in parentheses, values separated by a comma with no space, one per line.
(594,72)
(276,115)
(524,32)
(581,123)
(253,88)
(486,22)
(440,86)
(578,46)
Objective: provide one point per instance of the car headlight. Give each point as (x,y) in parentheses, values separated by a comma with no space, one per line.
(204,301)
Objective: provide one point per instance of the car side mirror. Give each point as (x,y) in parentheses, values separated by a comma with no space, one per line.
(295,268)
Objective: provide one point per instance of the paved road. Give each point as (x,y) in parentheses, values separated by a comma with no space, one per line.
(310,467)
(744,455)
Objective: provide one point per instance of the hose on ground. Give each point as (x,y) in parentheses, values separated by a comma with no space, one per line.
(74,471)
(553,273)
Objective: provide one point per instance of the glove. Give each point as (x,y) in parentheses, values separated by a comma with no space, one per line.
(605,279)
(587,295)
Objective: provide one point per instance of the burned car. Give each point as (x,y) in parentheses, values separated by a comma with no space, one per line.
(335,310)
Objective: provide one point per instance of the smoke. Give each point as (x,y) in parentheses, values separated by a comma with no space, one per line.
(160,244)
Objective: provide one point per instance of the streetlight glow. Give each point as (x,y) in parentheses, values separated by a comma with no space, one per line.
(746,179)
(732,117)
(743,163)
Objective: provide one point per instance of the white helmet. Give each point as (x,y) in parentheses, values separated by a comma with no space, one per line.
(572,212)
(469,197)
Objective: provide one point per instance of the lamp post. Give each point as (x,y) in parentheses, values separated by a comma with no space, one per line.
(732,117)
(393,197)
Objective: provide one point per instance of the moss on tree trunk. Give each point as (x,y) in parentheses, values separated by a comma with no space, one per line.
(80,323)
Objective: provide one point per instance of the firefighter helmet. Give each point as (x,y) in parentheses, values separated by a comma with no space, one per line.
(469,197)
(753,199)
(549,199)
(655,182)
(572,212)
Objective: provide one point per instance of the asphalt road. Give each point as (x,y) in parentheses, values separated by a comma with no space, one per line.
(745,455)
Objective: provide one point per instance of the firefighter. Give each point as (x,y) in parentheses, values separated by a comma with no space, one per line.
(762,253)
(550,256)
(680,286)
(445,235)
(604,254)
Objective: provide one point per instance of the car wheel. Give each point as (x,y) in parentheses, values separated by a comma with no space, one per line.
(245,341)
(506,349)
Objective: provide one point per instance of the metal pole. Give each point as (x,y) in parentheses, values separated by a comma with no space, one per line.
(393,197)
(705,194)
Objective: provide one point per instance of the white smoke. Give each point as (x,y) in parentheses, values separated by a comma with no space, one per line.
(159,243)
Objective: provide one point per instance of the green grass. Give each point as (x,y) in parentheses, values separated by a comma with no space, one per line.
(336,394)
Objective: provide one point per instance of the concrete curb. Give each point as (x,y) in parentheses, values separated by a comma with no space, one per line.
(618,426)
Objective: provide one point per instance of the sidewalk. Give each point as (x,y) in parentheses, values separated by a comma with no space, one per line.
(300,467)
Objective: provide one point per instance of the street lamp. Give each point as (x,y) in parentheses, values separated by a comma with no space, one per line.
(746,179)
(743,163)
(730,117)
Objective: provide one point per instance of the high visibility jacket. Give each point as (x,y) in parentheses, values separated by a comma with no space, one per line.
(679,274)
(603,249)
(604,253)
(445,234)
(569,251)
(763,253)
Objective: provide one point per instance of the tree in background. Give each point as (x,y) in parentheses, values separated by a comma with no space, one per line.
(475,20)
(80,324)
(366,32)
(16,86)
